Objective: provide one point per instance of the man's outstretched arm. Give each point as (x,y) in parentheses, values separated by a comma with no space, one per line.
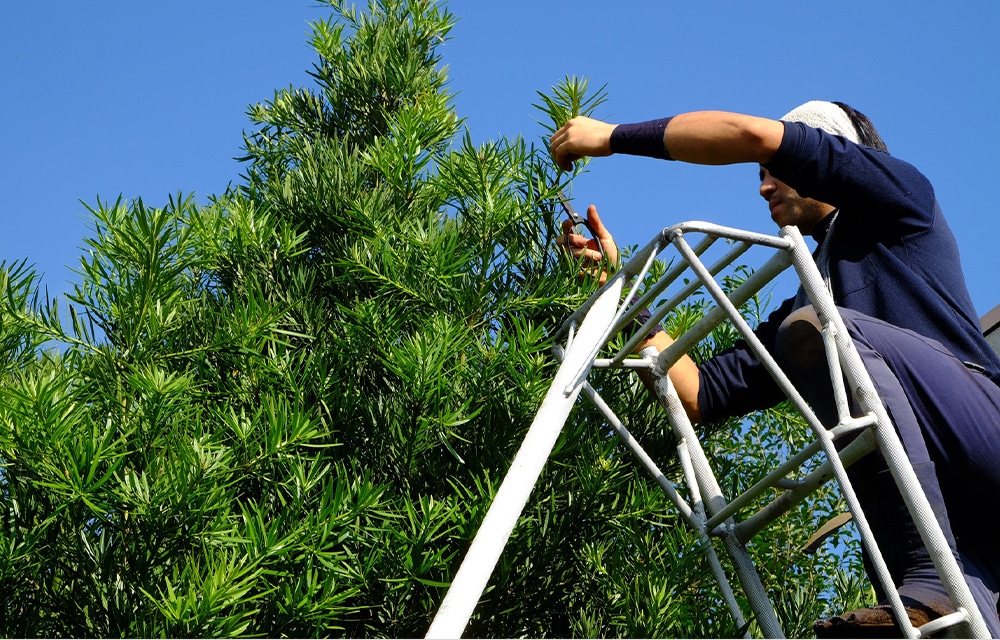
(699,137)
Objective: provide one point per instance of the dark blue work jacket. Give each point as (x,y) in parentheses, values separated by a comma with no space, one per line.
(892,257)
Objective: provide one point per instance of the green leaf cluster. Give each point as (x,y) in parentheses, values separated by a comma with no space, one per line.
(286,412)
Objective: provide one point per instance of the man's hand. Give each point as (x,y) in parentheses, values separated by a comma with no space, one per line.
(589,251)
(580,137)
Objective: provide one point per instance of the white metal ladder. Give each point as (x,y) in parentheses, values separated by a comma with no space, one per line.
(708,512)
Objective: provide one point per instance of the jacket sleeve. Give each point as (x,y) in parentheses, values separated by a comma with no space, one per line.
(853,177)
(734,382)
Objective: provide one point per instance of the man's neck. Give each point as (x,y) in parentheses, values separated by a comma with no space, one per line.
(821,228)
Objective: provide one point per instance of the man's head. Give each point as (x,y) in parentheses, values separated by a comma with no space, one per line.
(788,208)
(786,205)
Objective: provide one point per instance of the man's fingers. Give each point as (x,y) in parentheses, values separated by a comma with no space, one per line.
(573,241)
(565,160)
(580,137)
(559,153)
(580,248)
(593,274)
(557,138)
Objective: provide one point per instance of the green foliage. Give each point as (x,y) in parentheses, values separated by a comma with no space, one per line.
(286,413)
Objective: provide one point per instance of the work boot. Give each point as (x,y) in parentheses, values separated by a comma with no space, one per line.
(874,622)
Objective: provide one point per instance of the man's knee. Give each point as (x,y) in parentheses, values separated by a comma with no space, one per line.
(799,343)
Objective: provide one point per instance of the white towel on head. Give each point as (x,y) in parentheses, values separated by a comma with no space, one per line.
(826,116)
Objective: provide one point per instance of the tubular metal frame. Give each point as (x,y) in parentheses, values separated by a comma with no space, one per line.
(707,511)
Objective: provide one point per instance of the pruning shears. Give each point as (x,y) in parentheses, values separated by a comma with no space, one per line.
(578,221)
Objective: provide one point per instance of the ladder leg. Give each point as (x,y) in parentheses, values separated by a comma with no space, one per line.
(711,492)
(477,567)
(892,449)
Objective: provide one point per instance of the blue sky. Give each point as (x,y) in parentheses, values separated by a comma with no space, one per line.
(148,99)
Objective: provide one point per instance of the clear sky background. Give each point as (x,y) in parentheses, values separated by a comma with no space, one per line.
(148,99)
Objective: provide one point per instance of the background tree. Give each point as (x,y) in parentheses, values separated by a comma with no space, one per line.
(286,413)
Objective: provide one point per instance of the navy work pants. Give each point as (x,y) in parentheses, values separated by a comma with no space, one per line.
(948,419)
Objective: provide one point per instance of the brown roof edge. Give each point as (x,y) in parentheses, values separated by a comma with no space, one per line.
(991,320)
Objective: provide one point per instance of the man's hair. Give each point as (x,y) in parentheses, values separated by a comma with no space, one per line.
(866,130)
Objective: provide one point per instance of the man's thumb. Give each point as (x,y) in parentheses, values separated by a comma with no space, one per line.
(594,220)
(598,228)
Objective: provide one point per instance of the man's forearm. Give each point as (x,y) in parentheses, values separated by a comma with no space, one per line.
(719,137)
(684,376)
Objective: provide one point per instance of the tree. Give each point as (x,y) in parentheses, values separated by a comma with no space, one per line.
(285,413)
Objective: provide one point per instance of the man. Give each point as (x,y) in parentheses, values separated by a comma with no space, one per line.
(892,265)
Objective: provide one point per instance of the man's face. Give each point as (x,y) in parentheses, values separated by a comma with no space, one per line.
(788,207)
